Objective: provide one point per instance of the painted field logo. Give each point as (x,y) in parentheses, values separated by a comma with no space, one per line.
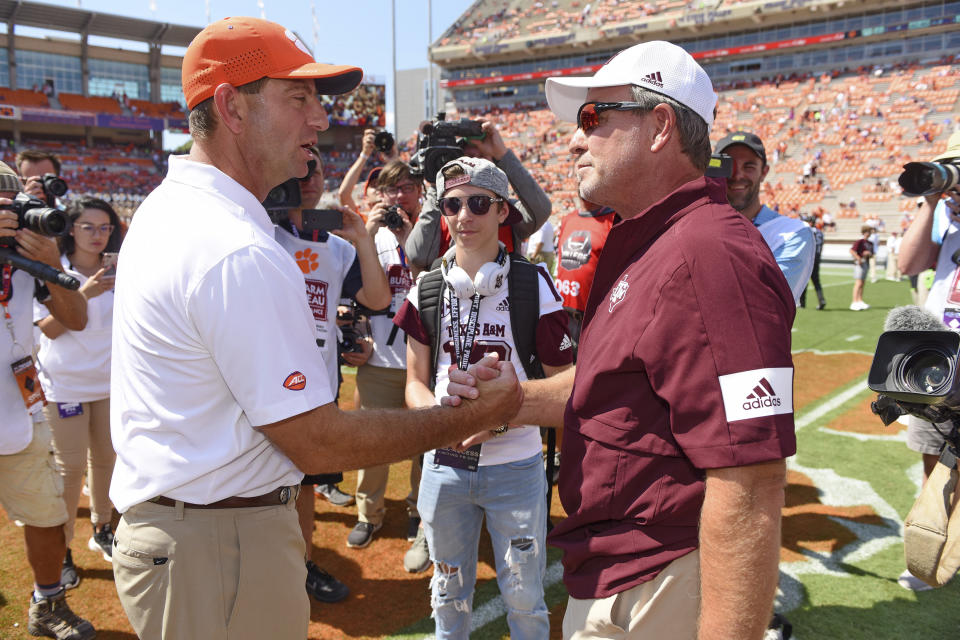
(296,381)
(763,395)
(751,394)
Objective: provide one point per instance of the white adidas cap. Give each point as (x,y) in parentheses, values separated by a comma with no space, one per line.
(658,66)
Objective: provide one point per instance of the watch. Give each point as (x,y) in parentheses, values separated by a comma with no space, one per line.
(499,431)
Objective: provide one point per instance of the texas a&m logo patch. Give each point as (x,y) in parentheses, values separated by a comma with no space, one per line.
(296,381)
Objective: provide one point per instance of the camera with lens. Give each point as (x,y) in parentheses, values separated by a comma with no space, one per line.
(53,186)
(916,373)
(384,141)
(351,337)
(35,215)
(441,141)
(929,178)
(392,218)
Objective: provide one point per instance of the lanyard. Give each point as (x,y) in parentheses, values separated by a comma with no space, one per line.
(5,294)
(463,350)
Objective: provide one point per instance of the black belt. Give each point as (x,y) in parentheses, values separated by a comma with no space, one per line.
(283,495)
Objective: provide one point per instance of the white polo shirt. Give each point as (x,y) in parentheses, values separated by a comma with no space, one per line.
(75,366)
(211,338)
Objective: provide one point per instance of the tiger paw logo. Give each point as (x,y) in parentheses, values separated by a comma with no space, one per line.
(307,260)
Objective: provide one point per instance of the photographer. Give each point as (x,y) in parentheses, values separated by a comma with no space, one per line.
(30,488)
(382,379)
(933,238)
(373,142)
(36,168)
(341,264)
(430,237)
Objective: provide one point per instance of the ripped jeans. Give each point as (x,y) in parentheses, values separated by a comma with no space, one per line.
(453,503)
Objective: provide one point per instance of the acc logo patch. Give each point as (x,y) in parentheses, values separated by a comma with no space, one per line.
(296,381)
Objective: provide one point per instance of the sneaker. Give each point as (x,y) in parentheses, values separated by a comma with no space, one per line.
(417,557)
(333,494)
(102,541)
(413,526)
(69,578)
(323,586)
(362,534)
(52,617)
(909,581)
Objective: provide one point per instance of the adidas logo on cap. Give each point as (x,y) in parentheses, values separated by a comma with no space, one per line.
(653,78)
(763,396)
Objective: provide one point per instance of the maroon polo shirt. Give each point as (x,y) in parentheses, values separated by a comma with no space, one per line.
(684,366)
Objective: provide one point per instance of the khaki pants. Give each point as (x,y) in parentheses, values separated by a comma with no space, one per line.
(82,444)
(216,574)
(382,388)
(666,607)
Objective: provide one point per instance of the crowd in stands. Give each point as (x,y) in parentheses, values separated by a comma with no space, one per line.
(837,141)
(489,22)
(363,107)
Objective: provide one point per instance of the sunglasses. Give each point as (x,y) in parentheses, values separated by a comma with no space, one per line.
(478,205)
(588,116)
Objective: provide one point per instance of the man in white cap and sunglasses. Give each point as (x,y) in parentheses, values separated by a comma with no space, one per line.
(220,399)
(681,410)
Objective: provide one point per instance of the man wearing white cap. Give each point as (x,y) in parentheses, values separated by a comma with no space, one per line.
(681,409)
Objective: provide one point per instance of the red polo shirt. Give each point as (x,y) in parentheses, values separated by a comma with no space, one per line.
(684,366)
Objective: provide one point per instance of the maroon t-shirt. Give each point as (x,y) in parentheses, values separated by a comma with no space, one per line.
(684,366)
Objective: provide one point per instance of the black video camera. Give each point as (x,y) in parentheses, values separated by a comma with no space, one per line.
(287,195)
(441,141)
(929,178)
(35,215)
(916,373)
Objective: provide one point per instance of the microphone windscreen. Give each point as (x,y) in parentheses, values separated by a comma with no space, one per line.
(912,318)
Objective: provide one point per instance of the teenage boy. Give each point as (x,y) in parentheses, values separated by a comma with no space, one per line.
(496,474)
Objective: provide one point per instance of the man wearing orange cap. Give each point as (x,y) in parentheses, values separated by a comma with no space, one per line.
(221,400)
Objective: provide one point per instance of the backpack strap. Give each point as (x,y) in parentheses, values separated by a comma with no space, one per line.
(430,303)
(524,283)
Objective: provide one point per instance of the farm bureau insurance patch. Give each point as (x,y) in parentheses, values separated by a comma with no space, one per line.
(757,393)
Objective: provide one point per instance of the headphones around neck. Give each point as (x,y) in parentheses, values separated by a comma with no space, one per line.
(490,277)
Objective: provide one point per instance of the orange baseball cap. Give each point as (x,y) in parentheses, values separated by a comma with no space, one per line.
(241,49)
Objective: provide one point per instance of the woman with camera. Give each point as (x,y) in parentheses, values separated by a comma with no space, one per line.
(75,374)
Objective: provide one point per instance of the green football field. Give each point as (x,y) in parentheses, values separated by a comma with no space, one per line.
(851,484)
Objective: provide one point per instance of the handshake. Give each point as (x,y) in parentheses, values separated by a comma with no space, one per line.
(491,383)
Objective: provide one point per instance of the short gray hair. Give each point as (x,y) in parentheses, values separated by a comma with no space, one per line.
(203,123)
(694,132)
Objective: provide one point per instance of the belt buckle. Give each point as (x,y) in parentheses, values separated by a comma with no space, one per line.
(284,495)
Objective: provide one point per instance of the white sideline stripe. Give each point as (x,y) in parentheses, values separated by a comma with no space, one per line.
(835,402)
(853,338)
(900,436)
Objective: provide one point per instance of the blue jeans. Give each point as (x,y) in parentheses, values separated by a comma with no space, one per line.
(452,504)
